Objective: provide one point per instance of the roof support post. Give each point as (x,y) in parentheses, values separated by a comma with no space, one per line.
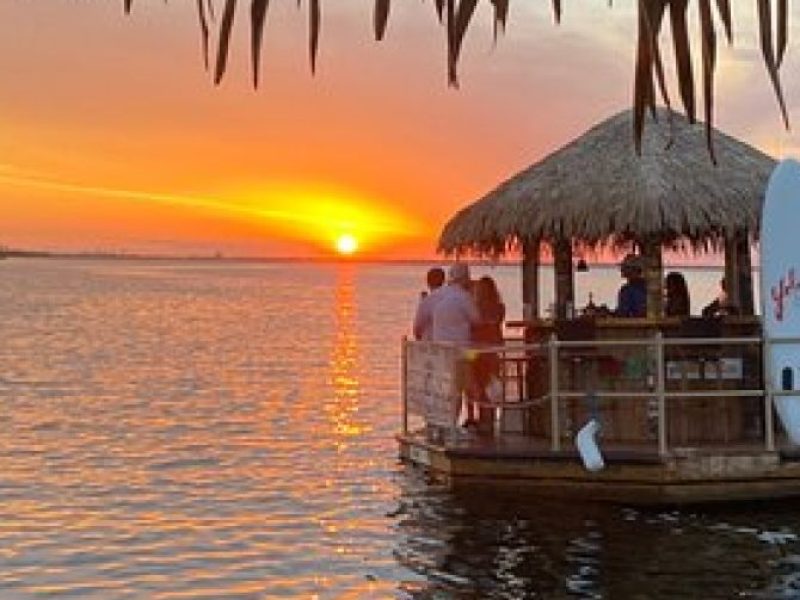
(738,272)
(565,291)
(654,276)
(530,279)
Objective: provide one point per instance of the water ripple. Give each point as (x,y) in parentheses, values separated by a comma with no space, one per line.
(226,431)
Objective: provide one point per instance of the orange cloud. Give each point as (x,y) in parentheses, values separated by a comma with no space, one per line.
(308,213)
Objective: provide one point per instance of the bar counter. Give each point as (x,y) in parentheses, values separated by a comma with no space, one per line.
(694,325)
(687,367)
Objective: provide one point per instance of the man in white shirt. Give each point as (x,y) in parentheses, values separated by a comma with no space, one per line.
(455,311)
(453,317)
(423,319)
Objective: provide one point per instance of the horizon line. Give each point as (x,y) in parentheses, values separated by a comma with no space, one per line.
(220,257)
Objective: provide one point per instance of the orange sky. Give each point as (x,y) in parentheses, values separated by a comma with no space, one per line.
(115,139)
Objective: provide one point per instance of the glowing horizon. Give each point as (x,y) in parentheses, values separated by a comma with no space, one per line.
(320,214)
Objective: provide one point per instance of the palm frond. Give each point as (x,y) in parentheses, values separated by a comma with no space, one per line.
(224,39)
(204,29)
(683,54)
(783,26)
(500,16)
(460,24)
(767,51)
(456,17)
(724,9)
(381,18)
(440,9)
(258,13)
(314,24)
(709,54)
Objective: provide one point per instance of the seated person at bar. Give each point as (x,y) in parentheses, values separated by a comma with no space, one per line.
(632,297)
(676,295)
(721,305)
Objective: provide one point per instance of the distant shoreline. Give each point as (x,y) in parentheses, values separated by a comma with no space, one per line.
(234,259)
(41,254)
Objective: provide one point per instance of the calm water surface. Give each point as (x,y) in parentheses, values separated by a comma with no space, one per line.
(190,430)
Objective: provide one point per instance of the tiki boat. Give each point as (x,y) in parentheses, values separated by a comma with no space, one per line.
(683,411)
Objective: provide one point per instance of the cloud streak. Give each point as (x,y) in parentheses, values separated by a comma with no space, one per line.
(310,208)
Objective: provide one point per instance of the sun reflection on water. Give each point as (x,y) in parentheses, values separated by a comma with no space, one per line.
(345,359)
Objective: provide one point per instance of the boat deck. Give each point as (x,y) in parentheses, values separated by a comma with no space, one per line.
(683,419)
(633,474)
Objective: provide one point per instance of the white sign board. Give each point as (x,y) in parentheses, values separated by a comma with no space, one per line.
(433,382)
(780,289)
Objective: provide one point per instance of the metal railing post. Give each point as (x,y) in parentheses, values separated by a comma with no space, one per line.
(555,424)
(403,385)
(769,413)
(660,389)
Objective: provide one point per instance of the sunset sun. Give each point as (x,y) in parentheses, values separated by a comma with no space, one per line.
(346,244)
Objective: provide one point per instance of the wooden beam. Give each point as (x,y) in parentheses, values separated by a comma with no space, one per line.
(530,279)
(738,275)
(654,277)
(564,284)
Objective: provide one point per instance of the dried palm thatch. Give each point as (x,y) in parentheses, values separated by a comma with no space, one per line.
(456,16)
(597,191)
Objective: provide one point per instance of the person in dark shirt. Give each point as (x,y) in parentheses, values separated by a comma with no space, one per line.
(677,296)
(423,319)
(632,297)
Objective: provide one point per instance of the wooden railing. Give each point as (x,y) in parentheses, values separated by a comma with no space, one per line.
(555,381)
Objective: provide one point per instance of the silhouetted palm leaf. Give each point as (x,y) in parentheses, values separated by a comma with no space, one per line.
(450,28)
(381,17)
(783,25)
(439,4)
(654,15)
(314,21)
(643,94)
(258,13)
(456,16)
(500,16)
(557,10)
(463,16)
(224,39)
(709,53)
(724,9)
(765,22)
(683,53)
(204,30)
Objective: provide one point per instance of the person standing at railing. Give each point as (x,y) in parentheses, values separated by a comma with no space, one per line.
(423,319)
(454,316)
(488,331)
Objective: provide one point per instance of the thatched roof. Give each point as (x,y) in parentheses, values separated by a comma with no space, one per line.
(597,190)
